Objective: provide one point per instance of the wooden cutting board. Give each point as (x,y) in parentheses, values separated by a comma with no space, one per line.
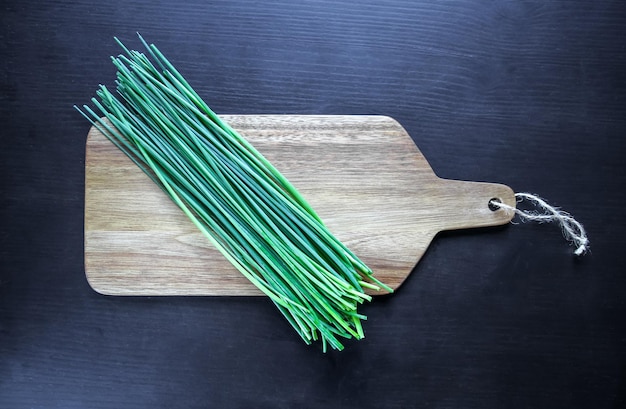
(362,174)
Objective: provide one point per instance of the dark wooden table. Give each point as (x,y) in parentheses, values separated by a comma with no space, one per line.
(531,94)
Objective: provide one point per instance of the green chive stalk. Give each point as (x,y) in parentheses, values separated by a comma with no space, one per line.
(245,207)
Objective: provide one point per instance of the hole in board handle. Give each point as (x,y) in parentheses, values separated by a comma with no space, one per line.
(492,204)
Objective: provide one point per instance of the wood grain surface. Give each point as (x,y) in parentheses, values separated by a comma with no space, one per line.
(363,174)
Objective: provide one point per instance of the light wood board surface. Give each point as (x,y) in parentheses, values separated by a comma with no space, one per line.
(363,175)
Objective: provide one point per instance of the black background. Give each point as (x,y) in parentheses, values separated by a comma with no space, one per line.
(531,94)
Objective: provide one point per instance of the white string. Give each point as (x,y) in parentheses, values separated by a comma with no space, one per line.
(572,229)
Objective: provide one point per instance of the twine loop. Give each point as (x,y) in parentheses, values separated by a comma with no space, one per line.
(572,230)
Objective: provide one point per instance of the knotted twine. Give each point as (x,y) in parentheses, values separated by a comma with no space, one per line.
(572,230)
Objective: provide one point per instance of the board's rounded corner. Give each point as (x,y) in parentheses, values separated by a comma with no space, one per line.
(395,287)
(97,128)
(391,120)
(94,287)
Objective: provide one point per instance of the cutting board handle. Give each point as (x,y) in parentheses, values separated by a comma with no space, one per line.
(465,204)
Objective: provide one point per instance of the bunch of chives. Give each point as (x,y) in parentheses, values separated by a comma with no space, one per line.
(237,199)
